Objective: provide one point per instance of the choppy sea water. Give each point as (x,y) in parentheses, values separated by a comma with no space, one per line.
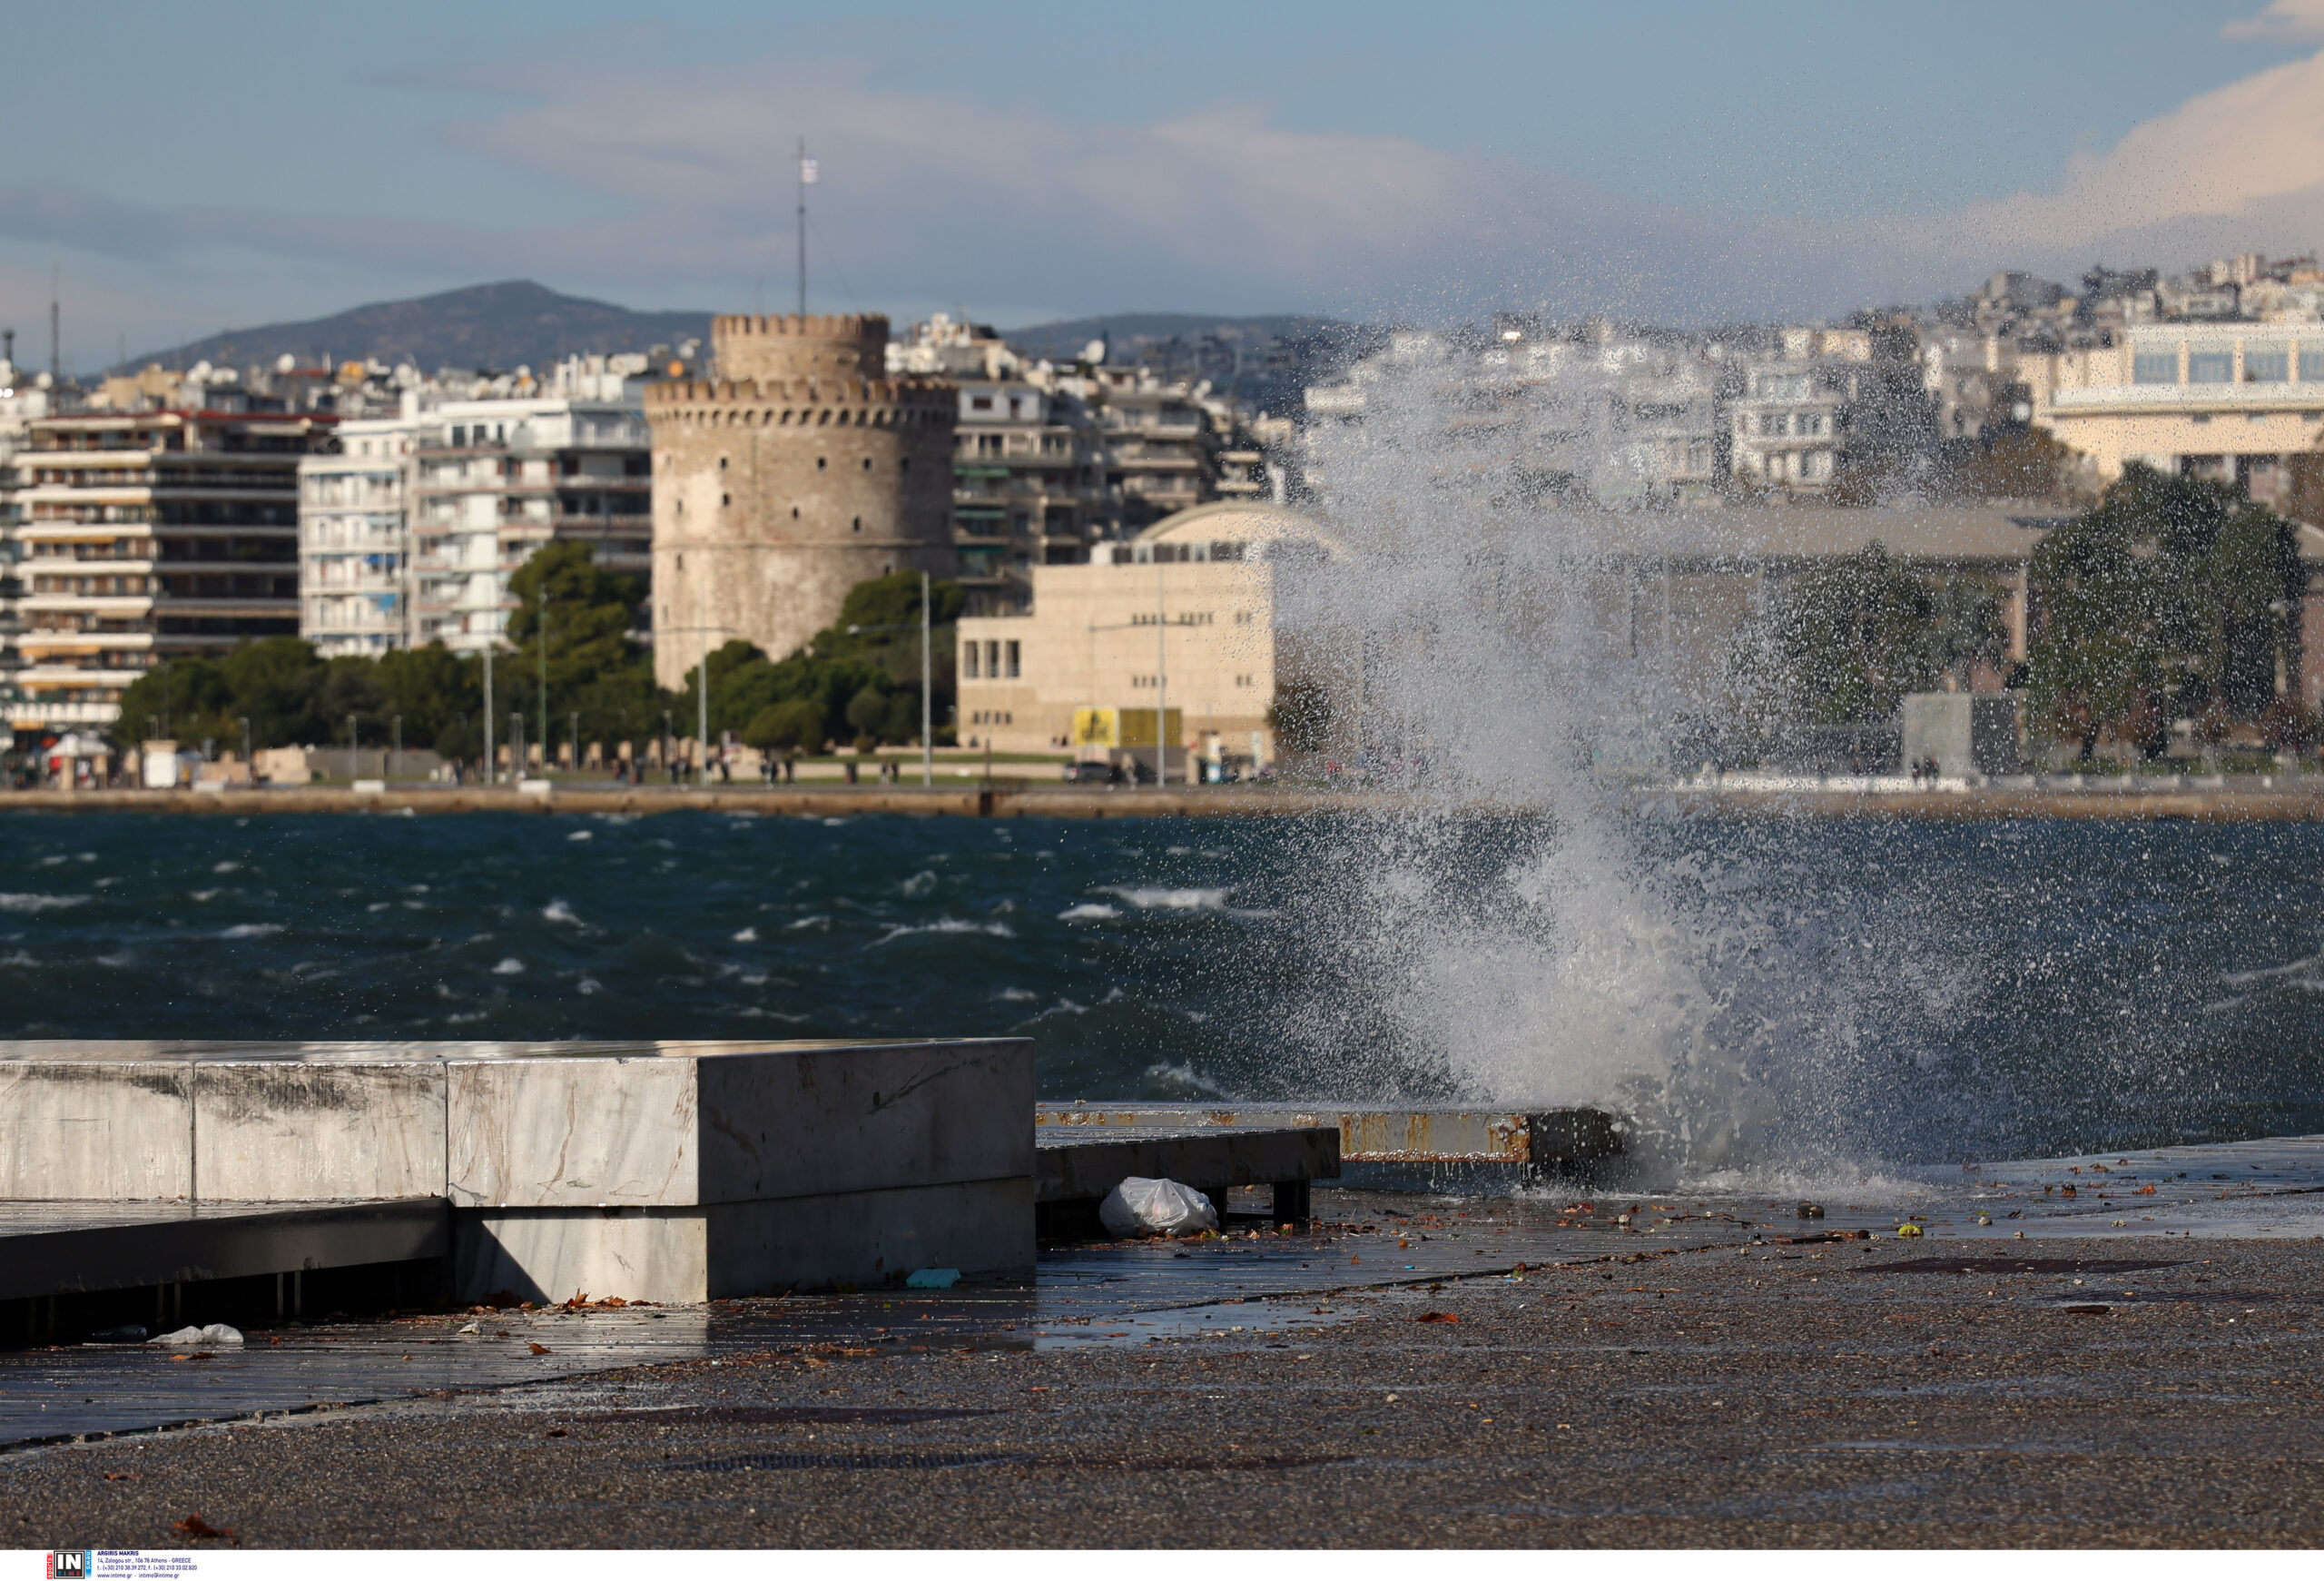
(1894,991)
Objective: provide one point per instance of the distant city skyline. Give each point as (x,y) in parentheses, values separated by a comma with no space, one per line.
(194,171)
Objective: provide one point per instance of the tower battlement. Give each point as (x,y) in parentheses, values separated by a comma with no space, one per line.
(769,346)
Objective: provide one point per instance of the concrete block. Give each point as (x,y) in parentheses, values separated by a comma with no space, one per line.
(1967,733)
(95,1129)
(711,1251)
(722,1122)
(577,1132)
(810,1122)
(283,1130)
(870,1239)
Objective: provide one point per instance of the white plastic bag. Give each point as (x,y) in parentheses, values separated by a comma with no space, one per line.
(1141,1206)
(209,1334)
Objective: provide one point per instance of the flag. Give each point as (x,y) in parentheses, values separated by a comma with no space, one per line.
(808,175)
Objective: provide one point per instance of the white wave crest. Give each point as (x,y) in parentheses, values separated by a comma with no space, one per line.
(1095,910)
(556,911)
(1155,899)
(252,930)
(747,936)
(509,967)
(35,903)
(943,926)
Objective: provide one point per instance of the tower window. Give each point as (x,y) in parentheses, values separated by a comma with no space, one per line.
(725,500)
(866,463)
(822,462)
(794,513)
(858,524)
(722,463)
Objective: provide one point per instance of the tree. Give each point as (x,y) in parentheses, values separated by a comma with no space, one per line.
(1853,636)
(792,726)
(867,711)
(595,667)
(438,695)
(2169,599)
(873,646)
(1300,716)
(2018,464)
(276,683)
(182,699)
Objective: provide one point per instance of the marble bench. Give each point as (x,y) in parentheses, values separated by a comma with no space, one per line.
(679,1171)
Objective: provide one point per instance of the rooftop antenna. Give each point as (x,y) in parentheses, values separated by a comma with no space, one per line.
(55,343)
(808,175)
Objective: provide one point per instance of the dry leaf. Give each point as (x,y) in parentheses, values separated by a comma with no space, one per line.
(1438,1317)
(194,1526)
(539,1348)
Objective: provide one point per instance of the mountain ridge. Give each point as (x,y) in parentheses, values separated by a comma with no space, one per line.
(497,326)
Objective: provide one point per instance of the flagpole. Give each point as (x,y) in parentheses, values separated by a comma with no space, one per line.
(802,230)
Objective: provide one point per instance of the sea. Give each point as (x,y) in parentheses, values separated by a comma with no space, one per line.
(1886,990)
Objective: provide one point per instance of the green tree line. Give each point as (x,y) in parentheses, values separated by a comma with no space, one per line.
(857,681)
(2169,599)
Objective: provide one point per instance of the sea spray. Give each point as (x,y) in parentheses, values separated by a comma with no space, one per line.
(1499,662)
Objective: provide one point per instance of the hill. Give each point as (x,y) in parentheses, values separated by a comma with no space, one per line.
(496,327)
(1264,361)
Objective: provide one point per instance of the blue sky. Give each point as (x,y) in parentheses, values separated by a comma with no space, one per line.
(186,169)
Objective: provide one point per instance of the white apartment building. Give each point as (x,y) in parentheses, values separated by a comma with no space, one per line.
(492,482)
(2222,400)
(1786,418)
(354,543)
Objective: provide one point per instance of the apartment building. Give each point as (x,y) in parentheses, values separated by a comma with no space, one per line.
(142,535)
(1786,416)
(1025,488)
(492,482)
(354,544)
(2230,402)
(1158,448)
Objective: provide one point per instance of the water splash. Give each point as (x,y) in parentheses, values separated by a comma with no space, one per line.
(1492,656)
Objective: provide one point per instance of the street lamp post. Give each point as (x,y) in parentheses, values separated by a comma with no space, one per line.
(247,760)
(541,636)
(927,696)
(395,750)
(491,764)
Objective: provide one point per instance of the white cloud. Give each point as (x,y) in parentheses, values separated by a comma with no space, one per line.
(2238,167)
(2284,21)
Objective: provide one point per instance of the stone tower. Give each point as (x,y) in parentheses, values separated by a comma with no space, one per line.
(800,471)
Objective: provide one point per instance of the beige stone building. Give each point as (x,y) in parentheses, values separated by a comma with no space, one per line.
(2223,400)
(1182,616)
(800,470)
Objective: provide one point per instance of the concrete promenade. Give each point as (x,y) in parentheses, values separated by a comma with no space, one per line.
(1005,798)
(1425,1372)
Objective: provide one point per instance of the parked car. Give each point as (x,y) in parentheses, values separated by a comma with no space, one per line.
(1091,774)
